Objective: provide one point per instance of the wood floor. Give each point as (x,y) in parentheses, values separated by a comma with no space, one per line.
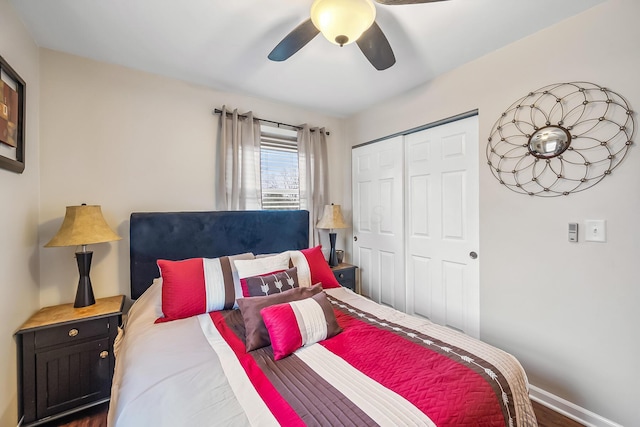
(548,418)
(97,417)
(92,417)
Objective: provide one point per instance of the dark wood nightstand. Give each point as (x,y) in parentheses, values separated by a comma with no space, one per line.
(346,275)
(65,359)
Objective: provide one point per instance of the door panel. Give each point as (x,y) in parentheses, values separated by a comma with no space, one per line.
(386,265)
(454,287)
(418,202)
(72,376)
(422,285)
(453,205)
(379,220)
(443,194)
(363,259)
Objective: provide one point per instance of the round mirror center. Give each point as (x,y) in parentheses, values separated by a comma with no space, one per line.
(549,142)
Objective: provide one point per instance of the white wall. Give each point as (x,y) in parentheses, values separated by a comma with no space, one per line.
(132,141)
(19,273)
(567,311)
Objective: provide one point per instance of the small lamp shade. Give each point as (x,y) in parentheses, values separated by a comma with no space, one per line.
(83,225)
(331,219)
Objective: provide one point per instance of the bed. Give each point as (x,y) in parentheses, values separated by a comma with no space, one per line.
(373,365)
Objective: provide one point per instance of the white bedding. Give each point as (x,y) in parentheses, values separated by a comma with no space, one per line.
(158,350)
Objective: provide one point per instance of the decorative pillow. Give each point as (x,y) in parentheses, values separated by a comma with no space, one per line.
(256,333)
(272,283)
(257,266)
(298,323)
(199,285)
(313,268)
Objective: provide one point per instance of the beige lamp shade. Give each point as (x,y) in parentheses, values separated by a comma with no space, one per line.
(83,225)
(332,218)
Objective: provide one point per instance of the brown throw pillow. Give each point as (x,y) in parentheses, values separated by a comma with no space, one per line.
(256,333)
(269,284)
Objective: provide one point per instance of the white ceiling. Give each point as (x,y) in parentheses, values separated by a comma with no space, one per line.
(224,44)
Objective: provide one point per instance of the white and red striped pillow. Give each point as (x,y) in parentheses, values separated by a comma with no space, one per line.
(298,323)
(262,265)
(199,285)
(313,268)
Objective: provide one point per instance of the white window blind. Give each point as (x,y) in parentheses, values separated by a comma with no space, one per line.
(279,168)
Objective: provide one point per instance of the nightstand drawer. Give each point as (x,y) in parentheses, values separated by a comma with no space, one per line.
(345,275)
(71,332)
(347,283)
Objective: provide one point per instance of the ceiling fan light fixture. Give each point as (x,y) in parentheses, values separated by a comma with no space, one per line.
(342,21)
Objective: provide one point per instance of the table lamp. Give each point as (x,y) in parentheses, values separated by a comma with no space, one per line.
(331,219)
(83,225)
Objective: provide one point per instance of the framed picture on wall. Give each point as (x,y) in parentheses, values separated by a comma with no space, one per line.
(12,112)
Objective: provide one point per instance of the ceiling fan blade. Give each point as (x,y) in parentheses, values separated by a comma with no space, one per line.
(294,41)
(392,2)
(375,46)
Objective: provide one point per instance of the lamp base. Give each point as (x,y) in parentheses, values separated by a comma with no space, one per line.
(84,294)
(333,258)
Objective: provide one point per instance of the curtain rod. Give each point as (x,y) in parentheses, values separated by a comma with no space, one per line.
(217,111)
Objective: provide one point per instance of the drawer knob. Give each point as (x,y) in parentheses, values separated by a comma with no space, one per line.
(341,275)
(73,332)
(104,354)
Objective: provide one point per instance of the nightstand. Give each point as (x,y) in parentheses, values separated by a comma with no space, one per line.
(346,275)
(65,359)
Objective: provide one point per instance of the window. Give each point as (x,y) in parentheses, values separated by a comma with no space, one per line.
(279,168)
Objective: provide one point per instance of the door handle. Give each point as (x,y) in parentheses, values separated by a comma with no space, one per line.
(473,255)
(355,238)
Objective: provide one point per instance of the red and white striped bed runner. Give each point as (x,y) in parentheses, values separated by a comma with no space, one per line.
(373,373)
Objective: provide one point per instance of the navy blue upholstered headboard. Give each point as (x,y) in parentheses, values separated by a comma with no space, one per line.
(181,235)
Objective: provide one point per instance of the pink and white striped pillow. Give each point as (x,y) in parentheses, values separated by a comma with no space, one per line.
(199,285)
(298,323)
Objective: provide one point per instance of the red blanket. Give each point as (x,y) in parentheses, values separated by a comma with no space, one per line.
(450,385)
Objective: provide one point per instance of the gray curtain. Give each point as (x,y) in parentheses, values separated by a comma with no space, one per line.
(314,180)
(238,172)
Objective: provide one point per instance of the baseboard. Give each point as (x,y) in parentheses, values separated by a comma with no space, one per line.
(568,409)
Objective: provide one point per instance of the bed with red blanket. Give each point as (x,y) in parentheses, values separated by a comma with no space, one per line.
(378,366)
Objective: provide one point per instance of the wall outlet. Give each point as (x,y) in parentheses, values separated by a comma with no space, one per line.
(595,230)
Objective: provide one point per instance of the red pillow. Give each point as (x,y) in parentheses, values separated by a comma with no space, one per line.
(313,268)
(199,285)
(295,324)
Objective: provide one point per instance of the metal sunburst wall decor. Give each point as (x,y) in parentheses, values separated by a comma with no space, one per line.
(560,139)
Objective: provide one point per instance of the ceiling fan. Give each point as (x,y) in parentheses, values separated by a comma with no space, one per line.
(343,22)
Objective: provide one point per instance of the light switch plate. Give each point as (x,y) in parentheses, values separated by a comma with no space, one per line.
(573,232)
(595,230)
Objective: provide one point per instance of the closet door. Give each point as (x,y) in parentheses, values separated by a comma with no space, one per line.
(378,233)
(441,214)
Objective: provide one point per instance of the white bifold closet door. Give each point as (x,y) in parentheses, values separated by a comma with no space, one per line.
(441,171)
(378,221)
(435,187)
